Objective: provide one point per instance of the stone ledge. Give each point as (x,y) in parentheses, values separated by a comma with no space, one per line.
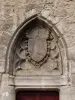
(41,80)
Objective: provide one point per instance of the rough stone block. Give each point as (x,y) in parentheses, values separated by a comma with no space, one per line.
(45,13)
(30,13)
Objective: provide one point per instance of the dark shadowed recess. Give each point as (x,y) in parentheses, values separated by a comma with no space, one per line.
(37,95)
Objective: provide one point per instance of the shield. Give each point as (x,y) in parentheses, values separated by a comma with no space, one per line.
(37,49)
(37,45)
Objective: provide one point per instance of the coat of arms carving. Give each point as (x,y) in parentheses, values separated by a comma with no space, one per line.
(37,48)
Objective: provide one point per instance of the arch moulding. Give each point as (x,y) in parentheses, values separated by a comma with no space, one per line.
(37,55)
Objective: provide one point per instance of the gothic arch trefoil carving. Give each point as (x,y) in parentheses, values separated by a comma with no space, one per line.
(36,48)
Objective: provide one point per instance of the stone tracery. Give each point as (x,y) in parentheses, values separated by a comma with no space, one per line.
(36,49)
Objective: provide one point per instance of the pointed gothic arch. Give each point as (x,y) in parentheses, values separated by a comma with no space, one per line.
(51,56)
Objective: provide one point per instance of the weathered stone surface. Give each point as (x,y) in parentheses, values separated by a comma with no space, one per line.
(62,14)
(67,93)
(71,53)
(45,13)
(72,66)
(2,66)
(7,92)
(62,26)
(0,78)
(73,79)
(8,14)
(30,13)
(69,38)
(4,39)
(2,52)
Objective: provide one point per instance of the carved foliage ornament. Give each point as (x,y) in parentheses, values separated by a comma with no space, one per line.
(39,47)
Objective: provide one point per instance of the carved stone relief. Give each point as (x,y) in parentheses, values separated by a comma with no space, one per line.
(37,51)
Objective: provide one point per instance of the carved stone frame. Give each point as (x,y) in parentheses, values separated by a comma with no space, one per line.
(14,38)
(35,82)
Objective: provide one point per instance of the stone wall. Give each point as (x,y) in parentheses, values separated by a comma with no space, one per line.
(62,15)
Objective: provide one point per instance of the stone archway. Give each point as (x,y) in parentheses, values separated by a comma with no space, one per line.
(46,67)
(24,37)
